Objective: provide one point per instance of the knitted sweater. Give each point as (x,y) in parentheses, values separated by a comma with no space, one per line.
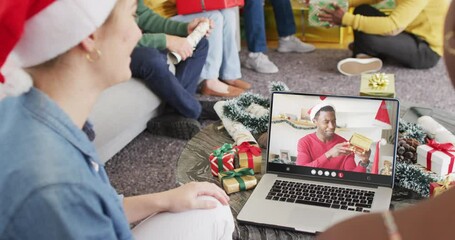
(311,153)
(423,18)
(154,27)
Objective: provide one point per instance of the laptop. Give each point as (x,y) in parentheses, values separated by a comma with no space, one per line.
(302,190)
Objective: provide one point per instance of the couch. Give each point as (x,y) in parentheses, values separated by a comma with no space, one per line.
(120,114)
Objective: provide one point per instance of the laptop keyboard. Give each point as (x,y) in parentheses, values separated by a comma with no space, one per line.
(322,196)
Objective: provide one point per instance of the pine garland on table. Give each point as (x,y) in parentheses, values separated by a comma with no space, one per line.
(415,178)
(235,109)
(411,130)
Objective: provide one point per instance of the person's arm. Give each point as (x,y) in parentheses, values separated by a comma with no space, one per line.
(176,200)
(155,27)
(393,24)
(434,216)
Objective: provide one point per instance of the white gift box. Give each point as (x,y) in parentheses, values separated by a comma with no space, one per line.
(440,161)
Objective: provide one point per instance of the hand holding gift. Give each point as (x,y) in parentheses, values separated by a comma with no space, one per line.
(326,13)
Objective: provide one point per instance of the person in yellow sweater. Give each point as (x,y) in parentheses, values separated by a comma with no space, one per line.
(411,35)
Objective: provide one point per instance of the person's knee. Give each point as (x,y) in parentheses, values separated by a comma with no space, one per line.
(149,57)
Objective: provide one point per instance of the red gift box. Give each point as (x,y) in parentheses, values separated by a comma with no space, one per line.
(196,6)
(222,159)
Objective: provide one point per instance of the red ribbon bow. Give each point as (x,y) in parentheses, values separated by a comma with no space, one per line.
(442,147)
(250,150)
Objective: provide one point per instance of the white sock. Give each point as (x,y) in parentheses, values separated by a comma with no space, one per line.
(217,86)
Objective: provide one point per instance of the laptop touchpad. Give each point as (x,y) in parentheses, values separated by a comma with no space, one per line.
(310,220)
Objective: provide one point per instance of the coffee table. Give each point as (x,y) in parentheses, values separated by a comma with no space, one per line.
(193,165)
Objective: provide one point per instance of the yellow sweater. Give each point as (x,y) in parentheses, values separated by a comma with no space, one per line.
(423,18)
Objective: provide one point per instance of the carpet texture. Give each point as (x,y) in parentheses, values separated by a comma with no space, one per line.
(148,163)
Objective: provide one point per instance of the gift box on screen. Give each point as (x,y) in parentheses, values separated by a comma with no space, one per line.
(222,159)
(315,9)
(437,188)
(237,180)
(195,6)
(250,156)
(437,157)
(377,85)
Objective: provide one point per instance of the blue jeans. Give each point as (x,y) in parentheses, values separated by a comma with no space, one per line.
(223,60)
(177,90)
(253,14)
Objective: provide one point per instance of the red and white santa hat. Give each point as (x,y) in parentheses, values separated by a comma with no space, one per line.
(35,31)
(316,108)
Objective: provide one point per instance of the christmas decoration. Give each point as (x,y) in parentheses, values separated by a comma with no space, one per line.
(250,156)
(406,150)
(222,159)
(377,85)
(435,130)
(437,188)
(239,179)
(411,130)
(437,157)
(415,177)
(293,124)
(278,87)
(378,81)
(236,110)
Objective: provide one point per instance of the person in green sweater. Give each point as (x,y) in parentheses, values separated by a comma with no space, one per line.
(411,35)
(177,91)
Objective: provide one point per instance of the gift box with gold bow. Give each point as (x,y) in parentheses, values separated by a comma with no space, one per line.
(437,157)
(377,85)
(222,159)
(437,188)
(237,180)
(250,156)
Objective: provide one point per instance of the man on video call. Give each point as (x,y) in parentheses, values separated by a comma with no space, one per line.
(325,148)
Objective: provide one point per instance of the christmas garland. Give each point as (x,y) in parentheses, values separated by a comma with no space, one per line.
(415,178)
(235,109)
(411,130)
(293,124)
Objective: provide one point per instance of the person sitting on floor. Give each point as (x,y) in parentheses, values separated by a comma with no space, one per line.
(221,73)
(411,35)
(52,182)
(149,62)
(431,214)
(253,14)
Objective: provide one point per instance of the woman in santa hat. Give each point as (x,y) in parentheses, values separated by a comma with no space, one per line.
(56,57)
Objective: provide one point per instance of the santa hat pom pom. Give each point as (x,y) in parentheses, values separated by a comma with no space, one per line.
(383,142)
(17,81)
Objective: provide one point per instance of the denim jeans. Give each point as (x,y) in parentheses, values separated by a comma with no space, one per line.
(150,65)
(405,48)
(253,13)
(223,60)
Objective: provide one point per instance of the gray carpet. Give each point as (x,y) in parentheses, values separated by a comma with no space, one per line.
(148,163)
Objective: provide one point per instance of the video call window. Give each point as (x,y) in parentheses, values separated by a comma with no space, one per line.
(348,134)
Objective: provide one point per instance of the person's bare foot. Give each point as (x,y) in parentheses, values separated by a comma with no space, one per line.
(217,88)
(238,83)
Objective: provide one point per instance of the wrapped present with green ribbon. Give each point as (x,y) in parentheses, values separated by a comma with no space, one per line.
(222,159)
(237,180)
(377,85)
(315,9)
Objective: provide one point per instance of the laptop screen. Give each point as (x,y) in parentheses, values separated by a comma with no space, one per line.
(333,137)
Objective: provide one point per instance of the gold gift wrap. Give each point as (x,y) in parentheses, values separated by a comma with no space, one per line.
(377,85)
(246,150)
(232,180)
(360,143)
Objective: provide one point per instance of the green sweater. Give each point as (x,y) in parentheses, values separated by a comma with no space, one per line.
(154,27)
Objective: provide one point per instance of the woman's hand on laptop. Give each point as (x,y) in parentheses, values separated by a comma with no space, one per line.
(191,196)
